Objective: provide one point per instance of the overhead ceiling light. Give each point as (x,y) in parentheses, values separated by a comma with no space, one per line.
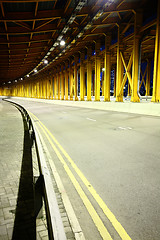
(35,70)
(45,61)
(9,82)
(62,43)
(15,80)
(27,75)
(103,69)
(21,78)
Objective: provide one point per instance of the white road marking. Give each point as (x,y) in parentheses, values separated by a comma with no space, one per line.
(125,128)
(90,119)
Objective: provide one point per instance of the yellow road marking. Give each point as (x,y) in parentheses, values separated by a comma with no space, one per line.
(116,224)
(96,219)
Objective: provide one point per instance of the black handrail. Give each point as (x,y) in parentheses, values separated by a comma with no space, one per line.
(54,221)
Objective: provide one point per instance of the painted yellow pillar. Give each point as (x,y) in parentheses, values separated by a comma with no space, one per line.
(55,86)
(89,73)
(135,66)
(38,89)
(120,69)
(49,90)
(41,90)
(47,87)
(71,81)
(66,81)
(107,66)
(82,75)
(75,77)
(97,71)
(62,82)
(156,72)
(51,86)
(59,84)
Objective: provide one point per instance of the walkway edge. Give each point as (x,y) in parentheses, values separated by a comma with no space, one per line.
(144,108)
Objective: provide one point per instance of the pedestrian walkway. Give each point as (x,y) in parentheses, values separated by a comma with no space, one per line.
(17,219)
(11,150)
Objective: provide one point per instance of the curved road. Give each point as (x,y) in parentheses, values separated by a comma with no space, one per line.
(119,155)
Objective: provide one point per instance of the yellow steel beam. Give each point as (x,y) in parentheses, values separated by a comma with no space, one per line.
(120,70)
(55,86)
(66,81)
(156,72)
(82,75)
(59,84)
(107,66)
(135,67)
(62,83)
(97,70)
(89,73)
(75,77)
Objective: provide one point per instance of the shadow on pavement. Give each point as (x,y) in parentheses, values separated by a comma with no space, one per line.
(25,222)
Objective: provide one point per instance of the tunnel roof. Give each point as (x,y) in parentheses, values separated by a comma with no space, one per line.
(31,30)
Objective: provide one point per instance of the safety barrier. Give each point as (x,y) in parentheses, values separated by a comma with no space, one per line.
(44,182)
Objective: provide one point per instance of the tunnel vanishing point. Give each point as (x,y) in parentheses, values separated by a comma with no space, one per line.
(77,50)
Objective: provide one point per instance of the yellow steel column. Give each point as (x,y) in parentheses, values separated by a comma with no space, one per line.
(46,80)
(48,87)
(89,73)
(120,69)
(82,75)
(45,85)
(75,77)
(66,81)
(97,71)
(37,89)
(41,88)
(52,87)
(71,81)
(62,82)
(135,66)
(148,76)
(50,94)
(27,90)
(156,72)
(55,85)
(107,66)
(59,83)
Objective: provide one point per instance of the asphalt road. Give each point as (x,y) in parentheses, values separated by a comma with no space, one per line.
(119,154)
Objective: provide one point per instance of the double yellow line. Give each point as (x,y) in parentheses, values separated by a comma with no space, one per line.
(95,217)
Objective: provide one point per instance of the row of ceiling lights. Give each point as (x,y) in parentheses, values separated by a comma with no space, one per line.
(62,43)
(60,40)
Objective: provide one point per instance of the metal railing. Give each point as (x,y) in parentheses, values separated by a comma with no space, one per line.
(54,221)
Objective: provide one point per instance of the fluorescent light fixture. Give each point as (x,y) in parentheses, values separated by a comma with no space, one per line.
(103,69)
(62,43)
(45,61)
(35,70)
